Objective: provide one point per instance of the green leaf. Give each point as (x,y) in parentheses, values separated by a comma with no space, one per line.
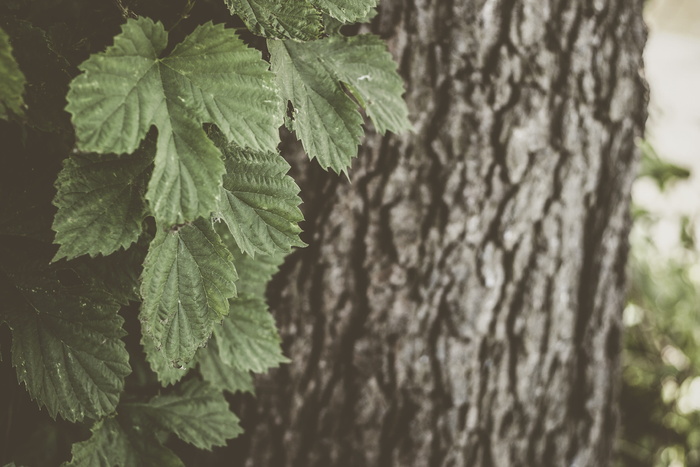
(66,345)
(219,374)
(100,201)
(11,80)
(210,77)
(165,370)
(253,273)
(198,414)
(256,273)
(248,339)
(347,11)
(227,373)
(112,444)
(367,68)
(325,118)
(275,19)
(188,277)
(259,202)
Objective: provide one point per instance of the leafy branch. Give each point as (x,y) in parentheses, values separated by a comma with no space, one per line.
(176,190)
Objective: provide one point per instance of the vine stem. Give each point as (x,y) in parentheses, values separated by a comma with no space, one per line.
(126,12)
(185,13)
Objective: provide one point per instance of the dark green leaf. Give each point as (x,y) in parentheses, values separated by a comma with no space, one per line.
(66,345)
(196,413)
(188,277)
(100,202)
(367,68)
(347,11)
(210,77)
(219,374)
(289,19)
(254,273)
(325,118)
(248,339)
(259,202)
(113,444)
(167,372)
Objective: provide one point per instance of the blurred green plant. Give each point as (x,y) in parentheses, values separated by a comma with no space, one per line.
(658,169)
(660,401)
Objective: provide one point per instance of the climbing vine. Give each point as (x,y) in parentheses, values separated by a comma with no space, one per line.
(133,279)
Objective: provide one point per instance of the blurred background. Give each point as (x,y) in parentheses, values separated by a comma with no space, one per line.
(661,395)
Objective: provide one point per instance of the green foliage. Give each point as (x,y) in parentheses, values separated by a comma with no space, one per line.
(220,374)
(658,169)
(120,442)
(210,77)
(152,145)
(167,372)
(255,272)
(66,343)
(662,340)
(248,339)
(325,118)
(259,202)
(662,360)
(259,348)
(100,202)
(346,11)
(297,19)
(11,80)
(196,413)
(291,19)
(188,277)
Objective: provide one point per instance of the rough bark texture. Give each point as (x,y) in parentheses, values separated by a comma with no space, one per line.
(460,300)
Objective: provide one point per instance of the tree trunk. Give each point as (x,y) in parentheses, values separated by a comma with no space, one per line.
(460,301)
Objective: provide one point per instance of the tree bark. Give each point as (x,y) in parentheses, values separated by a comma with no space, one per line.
(460,301)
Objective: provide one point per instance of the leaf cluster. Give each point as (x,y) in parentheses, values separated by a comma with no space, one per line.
(661,359)
(142,302)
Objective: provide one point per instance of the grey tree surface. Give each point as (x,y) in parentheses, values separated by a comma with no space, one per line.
(460,301)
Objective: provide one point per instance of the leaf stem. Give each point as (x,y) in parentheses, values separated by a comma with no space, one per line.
(185,13)
(126,12)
